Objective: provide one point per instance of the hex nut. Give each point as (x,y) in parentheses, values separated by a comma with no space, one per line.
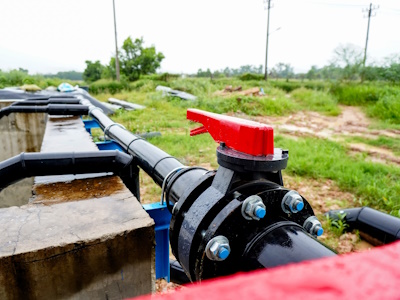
(292,202)
(253,208)
(218,248)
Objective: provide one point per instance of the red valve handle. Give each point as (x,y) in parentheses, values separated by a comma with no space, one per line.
(241,135)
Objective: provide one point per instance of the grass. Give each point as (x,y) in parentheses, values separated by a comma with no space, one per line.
(337,226)
(387,108)
(392,144)
(375,185)
(316,101)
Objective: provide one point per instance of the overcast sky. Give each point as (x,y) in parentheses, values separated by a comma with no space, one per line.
(47,36)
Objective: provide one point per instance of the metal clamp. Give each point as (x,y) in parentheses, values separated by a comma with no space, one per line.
(111,125)
(177,169)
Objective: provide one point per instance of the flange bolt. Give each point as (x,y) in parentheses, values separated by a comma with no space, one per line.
(218,248)
(292,202)
(313,226)
(253,208)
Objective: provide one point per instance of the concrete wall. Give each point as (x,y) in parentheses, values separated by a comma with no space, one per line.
(19,133)
(80,237)
(91,249)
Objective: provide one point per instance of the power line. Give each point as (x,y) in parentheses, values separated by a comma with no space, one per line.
(333,4)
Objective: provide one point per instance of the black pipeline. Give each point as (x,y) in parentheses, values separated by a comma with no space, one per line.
(52,109)
(151,159)
(38,102)
(377,227)
(42,164)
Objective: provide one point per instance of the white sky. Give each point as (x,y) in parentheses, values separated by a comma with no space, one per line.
(47,36)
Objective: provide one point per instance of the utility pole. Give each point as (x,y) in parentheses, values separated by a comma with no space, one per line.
(116,45)
(369,20)
(266,52)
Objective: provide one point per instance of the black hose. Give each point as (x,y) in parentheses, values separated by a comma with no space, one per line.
(35,102)
(41,164)
(52,109)
(377,227)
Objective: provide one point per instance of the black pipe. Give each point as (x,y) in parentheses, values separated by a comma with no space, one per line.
(35,102)
(177,273)
(376,227)
(41,164)
(151,159)
(280,244)
(52,109)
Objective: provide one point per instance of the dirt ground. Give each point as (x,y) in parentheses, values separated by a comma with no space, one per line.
(352,122)
(164,287)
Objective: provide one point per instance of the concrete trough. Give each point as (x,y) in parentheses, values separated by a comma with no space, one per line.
(74,236)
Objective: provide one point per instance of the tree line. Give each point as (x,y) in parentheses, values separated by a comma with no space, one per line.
(134,60)
(347,64)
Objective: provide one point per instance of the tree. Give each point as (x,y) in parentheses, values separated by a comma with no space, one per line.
(350,58)
(109,70)
(135,60)
(312,73)
(391,69)
(93,71)
(201,73)
(23,70)
(282,70)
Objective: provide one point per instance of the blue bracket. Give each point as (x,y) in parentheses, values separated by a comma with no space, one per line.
(109,145)
(162,218)
(89,124)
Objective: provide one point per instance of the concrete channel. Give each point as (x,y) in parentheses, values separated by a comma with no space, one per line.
(70,236)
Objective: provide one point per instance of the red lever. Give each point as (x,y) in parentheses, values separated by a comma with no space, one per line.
(241,135)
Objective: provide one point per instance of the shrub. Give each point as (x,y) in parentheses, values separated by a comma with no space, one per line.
(387,108)
(249,76)
(351,94)
(317,101)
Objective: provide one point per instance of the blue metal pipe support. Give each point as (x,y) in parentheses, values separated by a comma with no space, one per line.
(162,218)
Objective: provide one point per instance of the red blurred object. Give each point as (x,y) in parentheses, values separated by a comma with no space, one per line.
(372,274)
(241,135)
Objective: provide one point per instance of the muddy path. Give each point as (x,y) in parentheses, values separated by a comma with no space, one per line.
(352,122)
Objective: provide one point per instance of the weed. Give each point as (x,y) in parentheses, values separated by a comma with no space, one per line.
(382,141)
(355,94)
(337,225)
(387,108)
(316,101)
